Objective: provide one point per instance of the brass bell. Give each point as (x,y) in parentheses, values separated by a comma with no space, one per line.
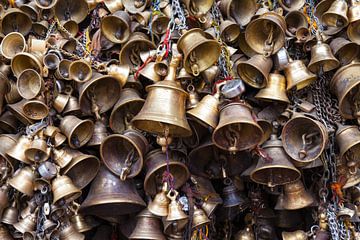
(69,28)
(10,214)
(80,71)
(295,20)
(210,74)
(198,9)
(157,120)
(114,6)
(17,152)
(45,4)
(322,59)
(51,60)
(4,233)
(27,224)
(336,15)
(8,122)
(246,234)
(193,99)
(23,181)
(128,105)
(159,23)
(278,169)
(161,67)
(64,189)
(296,197)
(100,133)
(60,102)
(233,199)
(62,72)
(266,34)
(199,218)
(175,212)
(72,107)
(77,131)
(297,75)
(22,61)
(12,44)
(149,73)
(10,91)
(82,169)
(291,5)
(38,150)
(14,20)
(297,235)
(76,10)
(344,50)
(36,109)
(116,27)
(229,31)
(244,46)
(348,139)
(199,51)
(302,34)
(155,165)
(242,13)
(69,232)
(174,229)
(79,223)
(61,157)
(160,205)
(109,196)
(148,226)
(30,84)
(275,89)
(255,71)
(134,7)
(236,120)
(127,160)
(120,72)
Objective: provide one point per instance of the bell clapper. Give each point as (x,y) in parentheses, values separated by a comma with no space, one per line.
(307,141)
(126,170)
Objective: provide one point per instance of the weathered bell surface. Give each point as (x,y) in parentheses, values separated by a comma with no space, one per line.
(100,133)
(69,232)
(109,196)
(12,44)
(116,27)
(64,189)
(344,50)
(78,131)
(175,212)
(236,120)
(348,140)
(165,114)
(23,181)
(4,233)
(296,235)
(296,197)
(14,20)
(275,89)
(148,226)
(10,214)
(297,75)
(17,151)
(27,224)
(242,13)
(336,15)
(80,71)
(75,10)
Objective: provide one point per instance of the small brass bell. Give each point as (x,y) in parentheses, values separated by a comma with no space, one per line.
(199,218)
(69,232)
(23,181)
(296,197)
(27,224)
(352,32)
(148,226)
(161,67)
(229,31)
(193,99)
(336,15)
(78,131)
(62,72)
(175,212)
(297,75)
(61,157)
(17,152)
(116,27)
(80,71)
(275,89)
(12,44)
(100,133)
(52,60)
(10,214)
(120,72)
(64,189)
(38,151)
(348,140)
(72,107)
(277,170)
(149,73)
(246,234)
(295,20)
(160,205)
(159,23)
(297,235)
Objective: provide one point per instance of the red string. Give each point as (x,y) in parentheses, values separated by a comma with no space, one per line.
(166,42)
(261,152)
(228,78)
(149,59)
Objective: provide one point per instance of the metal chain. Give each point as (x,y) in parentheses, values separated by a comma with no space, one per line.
(332,222)
(344,232)
(178,15)
(313,18)
(50,29)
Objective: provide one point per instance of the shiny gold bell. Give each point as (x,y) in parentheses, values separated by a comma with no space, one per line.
(116,27)
(23,181)
(148,226)
(64,189)
(296,197)
(297,235)
(297,75)
(199,218)
(275,168)
(275,89)
(175,212)
(159,206)
(336,15)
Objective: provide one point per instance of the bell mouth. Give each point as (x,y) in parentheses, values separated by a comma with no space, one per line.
(16,21)
(275,175)
(122,116)
(12,44)
(81,134)
(80,71)
(24,61)
(29,84)
(117,30)
(252,76)
(35,110)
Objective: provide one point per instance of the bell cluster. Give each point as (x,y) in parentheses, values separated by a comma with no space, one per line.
(179,119)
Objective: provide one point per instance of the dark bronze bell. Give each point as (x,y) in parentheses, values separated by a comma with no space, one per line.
(64,189)
(23,181)
(159,23)
(233,198)
(336,15)
(4,89)
(296,197)
(78,131)
(12,44)
(297,75)
(14,20)
(275,89)
(295,20)
(62,72)
(72,107)
(148,226)
(278,169)
(116,27)
(10,214)
(124,154)
(79,223)
(8,122)
(75,10)
(100,133)
(169,119)
(109,196)
(304,139)
(236,120)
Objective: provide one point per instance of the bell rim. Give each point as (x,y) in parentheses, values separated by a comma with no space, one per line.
(75,79)
(150,44)
(42,105)
(85,121)
(92,206)
(294,169)
(244,65)
(31,57)
(83,4)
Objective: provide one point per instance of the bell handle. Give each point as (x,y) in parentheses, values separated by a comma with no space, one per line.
(172,194)
(174,63)
(124,173)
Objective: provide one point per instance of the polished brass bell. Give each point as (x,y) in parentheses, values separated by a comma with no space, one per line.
(297,75)
(175,212)
(199,51)
(336,15)
(12,44)
(64,189)
(322,59)
(344,50)
(198,9)
(23,181)
(148,226)
(22,61)
(17,151)
(241,12)
(80,71)
(199,218)
(38,150)
(255,71)
(275,168)
(236,120)
(296,197)
(170,118)
(109,196)
(296,235)
(193,99)
(275,89)
(77,131)
(149,73)
(304,139)
(130,147)
(116,27)
(229,31)
(160,205)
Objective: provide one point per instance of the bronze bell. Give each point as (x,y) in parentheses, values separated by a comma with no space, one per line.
(128,105)
(120,72)
(302,34)
(336,15)
(304,139)
(297,75)
(296,197)
(157,120)
(114,6)
(30,84)
(36,109)
(11,93)
(159,206)
(22,61)
(17,110)
(322,58)
(236,120)
(100,133)
(27,224)
(149,73)
(255,71)
(344,50)
(193,99)
(229,31)
(275,89)
(109,196)
(159,23)
(198,9)
(8,122)
(64,189)
(61,157)
(127,161)
(116,27)
(295,20)
(62,72)
(199,51)
(76,10)
(291,5)
(17,151)
(12,44)
(52,59)
(352,32)
(82,169)
(60,102)
(199,218)
(45,4)
(80,71)
(161,67)
(38,150)
(134,7)
(175,212)
(69,232)
(174,230)
(348,140)
(296,235)
(148,226)
(4,233)
(233,199)
(79,223)
(155,165)
(72,107)
(10,214)
(241,12)
(266,34)
(246,234)
(23,181)
(278,169)
(14,20)
(78,131)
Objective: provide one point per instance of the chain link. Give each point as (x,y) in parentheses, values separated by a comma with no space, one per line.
(178,15)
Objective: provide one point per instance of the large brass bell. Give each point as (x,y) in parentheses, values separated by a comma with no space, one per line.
(296,197)
(168,113)
(74,10)
(124,154)
(241,12)
(64,189)
(148,226)
(275,168)
(23,181)
(78,131)
(236,120)
(200,52)
(14,20)
(296,235)
(336,15)
(275,89)
(109,196)
(266,34)
(297,75)
(30,84)
(322,59)
(255,71)
(116,27)
(348,140)
(12,44)
(128,105)
(304,139)
(175,212)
